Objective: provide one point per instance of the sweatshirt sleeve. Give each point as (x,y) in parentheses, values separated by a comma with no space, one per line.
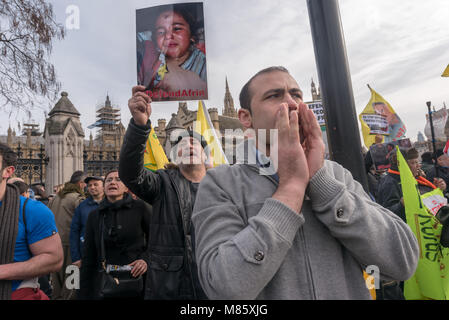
(237,261)
(373,234)
(143,183)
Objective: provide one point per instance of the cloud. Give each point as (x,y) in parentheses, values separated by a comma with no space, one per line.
(398,47)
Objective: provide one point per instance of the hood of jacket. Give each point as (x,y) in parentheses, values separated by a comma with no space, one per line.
(70,188)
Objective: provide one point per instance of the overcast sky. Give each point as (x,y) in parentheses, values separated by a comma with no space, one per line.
(400,48)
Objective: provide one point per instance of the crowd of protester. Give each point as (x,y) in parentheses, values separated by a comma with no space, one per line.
(234,232)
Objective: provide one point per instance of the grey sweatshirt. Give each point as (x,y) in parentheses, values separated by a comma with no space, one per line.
(251,246)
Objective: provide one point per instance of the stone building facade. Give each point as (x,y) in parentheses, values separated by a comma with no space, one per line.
(64,142)
(64,145)
(67,149)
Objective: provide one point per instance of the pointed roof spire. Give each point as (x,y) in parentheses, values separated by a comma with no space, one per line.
(108,101)
(229,109)
(64,105)
(174,123)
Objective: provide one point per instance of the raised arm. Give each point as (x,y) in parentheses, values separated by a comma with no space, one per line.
(143,183)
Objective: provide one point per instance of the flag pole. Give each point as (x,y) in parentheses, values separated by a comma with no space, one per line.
(336,87)
(429,103)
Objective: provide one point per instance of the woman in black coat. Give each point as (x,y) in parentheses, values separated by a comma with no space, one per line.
(126,225)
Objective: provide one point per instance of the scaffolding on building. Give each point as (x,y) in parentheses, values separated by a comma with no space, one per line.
(108,121)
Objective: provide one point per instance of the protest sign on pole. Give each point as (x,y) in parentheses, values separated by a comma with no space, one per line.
(380,118)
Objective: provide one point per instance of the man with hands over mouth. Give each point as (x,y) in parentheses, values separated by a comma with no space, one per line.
(306,231)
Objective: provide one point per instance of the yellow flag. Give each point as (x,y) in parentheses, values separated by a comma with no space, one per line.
(379,118)
(154,157)
(204,126)
(446,72)
(431,279)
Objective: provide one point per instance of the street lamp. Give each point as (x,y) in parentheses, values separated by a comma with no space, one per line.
(429,103)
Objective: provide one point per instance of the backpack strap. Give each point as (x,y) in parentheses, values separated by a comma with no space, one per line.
(24,219)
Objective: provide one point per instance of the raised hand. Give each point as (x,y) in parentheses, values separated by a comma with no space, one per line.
(140,105)
(439,183)
(292,167)
(311,139)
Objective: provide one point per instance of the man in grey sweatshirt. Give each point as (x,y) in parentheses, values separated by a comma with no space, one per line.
(307,230)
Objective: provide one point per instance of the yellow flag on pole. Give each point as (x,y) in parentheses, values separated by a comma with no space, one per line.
(379,118)
(446,72)
(431,279)
(204,126)
(154,157)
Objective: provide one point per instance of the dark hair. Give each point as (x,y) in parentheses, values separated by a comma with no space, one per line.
(23,187)
(426,157)
(245,94)
(183,10)
(109,172)
(192,134)
(9,157)
(38,192)
(439,153)
(412,153)
(77,176)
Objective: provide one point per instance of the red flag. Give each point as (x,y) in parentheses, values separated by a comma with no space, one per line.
(446,148)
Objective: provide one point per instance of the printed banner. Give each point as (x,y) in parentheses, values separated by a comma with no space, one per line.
(373,118)
(377,124)
(431,279)
(317,108)
(434,201)
(171,52)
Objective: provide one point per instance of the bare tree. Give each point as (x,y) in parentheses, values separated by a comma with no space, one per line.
(27,78)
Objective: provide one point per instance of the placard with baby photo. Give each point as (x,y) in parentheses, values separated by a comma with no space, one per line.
(171,52)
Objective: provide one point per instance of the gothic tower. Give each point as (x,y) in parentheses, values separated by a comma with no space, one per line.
(316,95)
(64,138)
(229,110)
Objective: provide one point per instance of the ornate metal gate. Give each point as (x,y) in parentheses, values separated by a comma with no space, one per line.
(99,166)
(30,168)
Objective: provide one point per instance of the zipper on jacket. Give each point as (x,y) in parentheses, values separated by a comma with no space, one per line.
(187,243)
(308,266)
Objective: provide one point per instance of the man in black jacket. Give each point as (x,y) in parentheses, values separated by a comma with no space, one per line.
(172,271)
(443,168)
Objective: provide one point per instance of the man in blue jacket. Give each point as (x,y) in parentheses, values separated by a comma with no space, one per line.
(77,228)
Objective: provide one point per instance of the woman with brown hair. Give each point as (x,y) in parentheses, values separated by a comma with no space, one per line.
(115,242)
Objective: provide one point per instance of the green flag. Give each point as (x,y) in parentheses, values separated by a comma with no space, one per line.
(431,279)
